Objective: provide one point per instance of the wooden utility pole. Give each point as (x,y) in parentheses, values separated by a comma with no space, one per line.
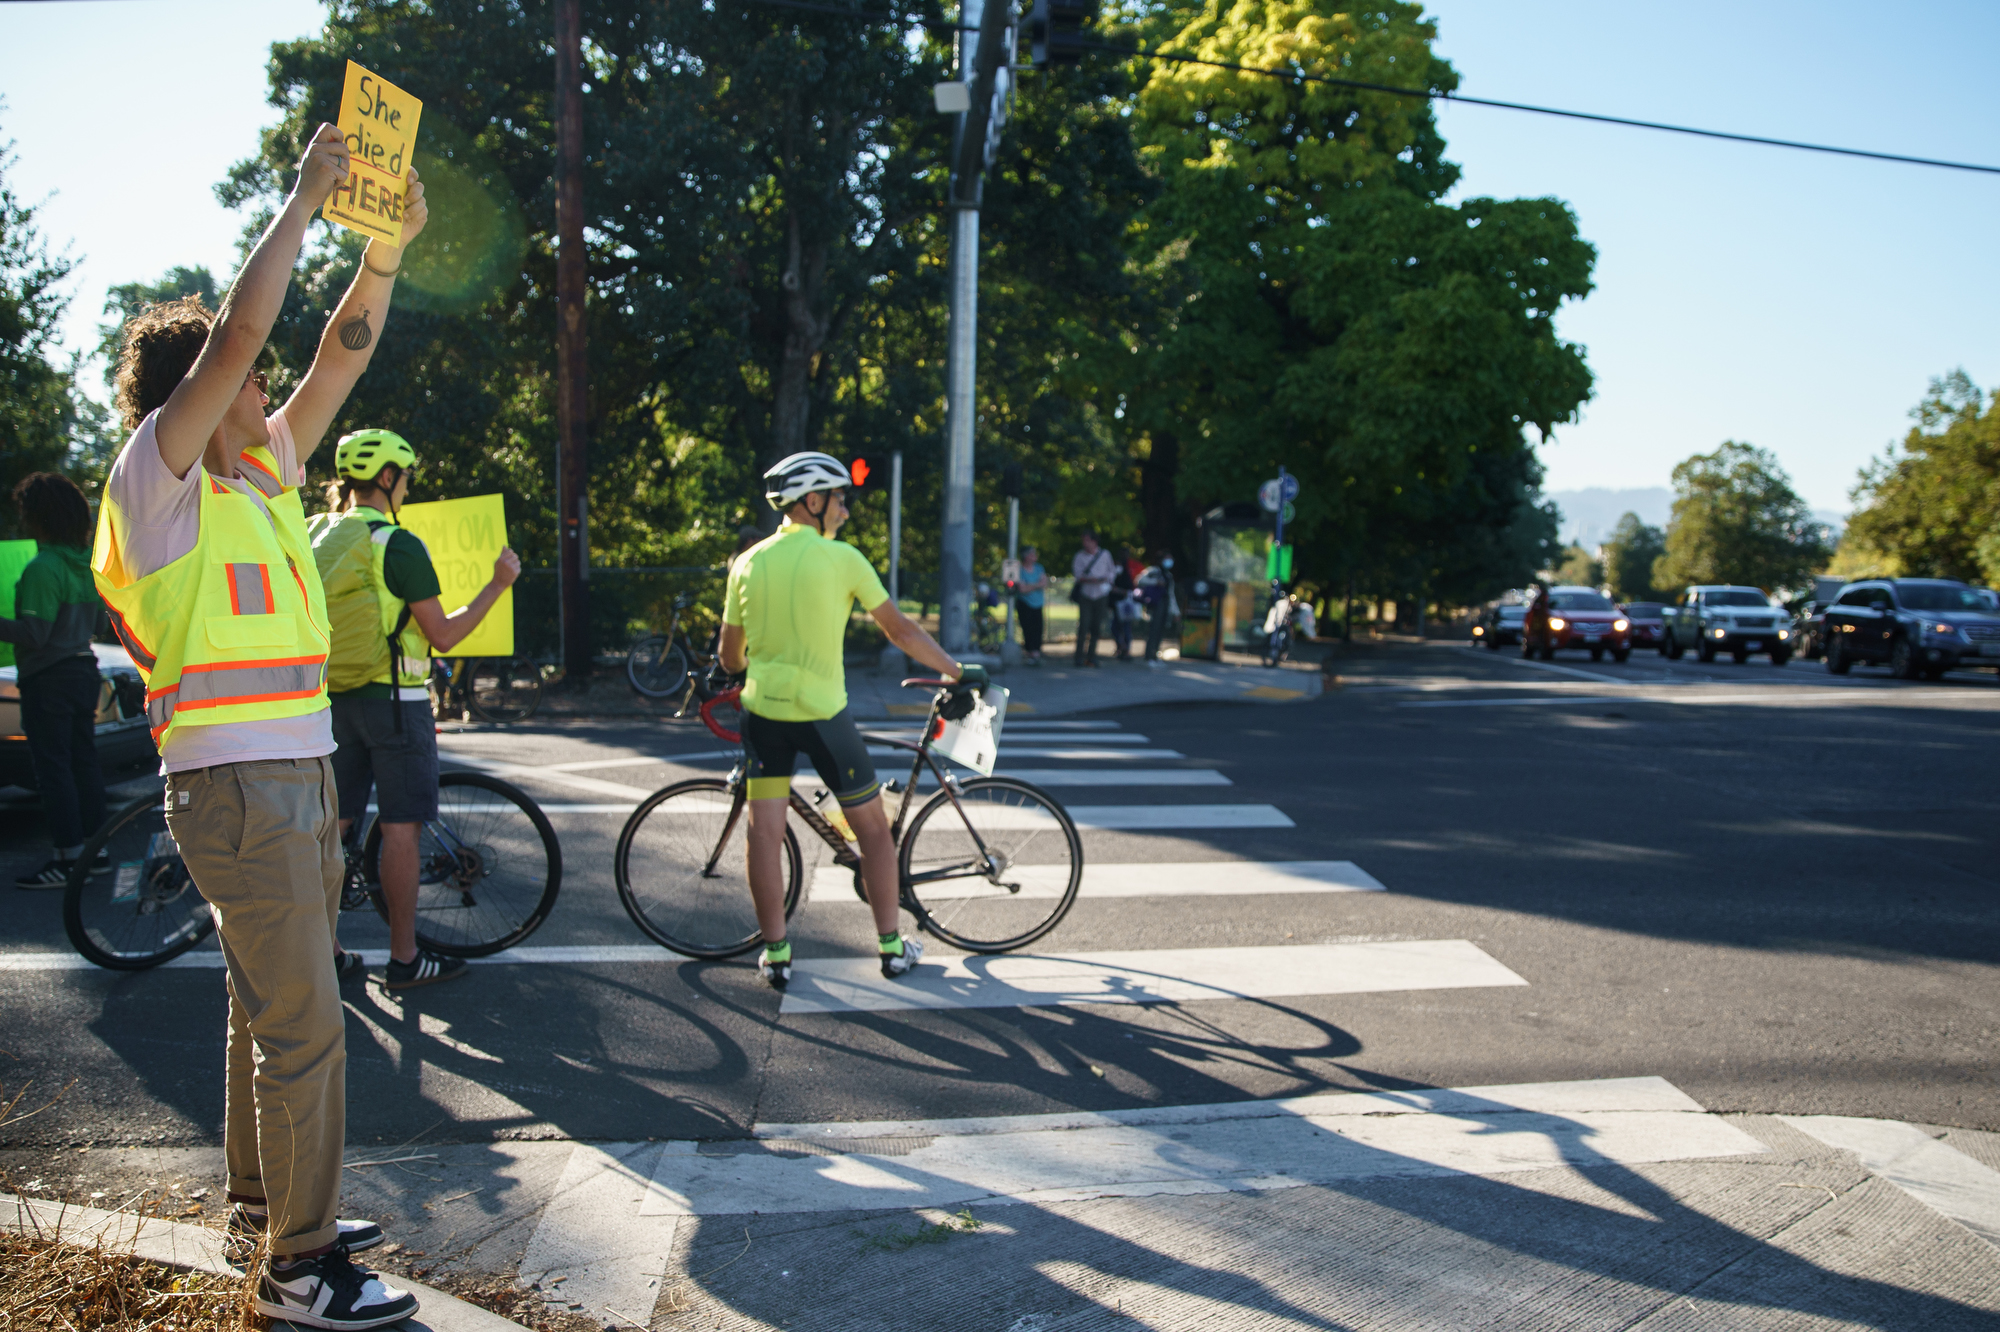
(572,384)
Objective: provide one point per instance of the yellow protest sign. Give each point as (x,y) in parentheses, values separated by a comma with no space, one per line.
(464,537)
(379,122)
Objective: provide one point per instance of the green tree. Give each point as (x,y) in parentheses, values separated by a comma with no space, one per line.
(1578,569)
(129,298)
(1736,519)
(44,418)
(1932,509)
(1337,316)
(1629,557)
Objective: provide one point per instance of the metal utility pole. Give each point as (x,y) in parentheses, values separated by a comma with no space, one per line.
(982,62)
(895,525)
(572,386)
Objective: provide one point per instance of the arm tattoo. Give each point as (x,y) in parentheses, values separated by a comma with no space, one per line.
(355,335)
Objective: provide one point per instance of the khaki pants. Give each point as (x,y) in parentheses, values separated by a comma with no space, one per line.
(262,841)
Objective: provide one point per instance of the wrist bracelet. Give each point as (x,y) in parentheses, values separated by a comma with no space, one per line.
(376,271)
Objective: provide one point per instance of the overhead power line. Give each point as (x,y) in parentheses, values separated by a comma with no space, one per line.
(1426,94)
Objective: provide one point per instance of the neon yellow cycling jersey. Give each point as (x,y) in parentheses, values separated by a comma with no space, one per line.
(792,593)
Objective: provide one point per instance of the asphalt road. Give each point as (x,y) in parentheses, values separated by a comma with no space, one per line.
(1774,888)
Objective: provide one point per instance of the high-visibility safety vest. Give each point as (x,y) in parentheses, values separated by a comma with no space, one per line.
(372,633)
(235,630)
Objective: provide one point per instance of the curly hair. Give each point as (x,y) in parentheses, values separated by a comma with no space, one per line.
(161,345)
(52,509)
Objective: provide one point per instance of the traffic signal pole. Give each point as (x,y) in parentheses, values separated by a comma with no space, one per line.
(982,56)
(572,388)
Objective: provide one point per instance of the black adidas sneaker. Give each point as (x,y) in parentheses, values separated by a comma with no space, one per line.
(427,968)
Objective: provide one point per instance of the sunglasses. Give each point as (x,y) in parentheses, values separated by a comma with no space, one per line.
(261,380)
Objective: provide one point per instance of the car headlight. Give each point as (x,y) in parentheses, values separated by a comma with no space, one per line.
(1558,623)
(1478,629)
(1718,633)
(1784,634)
(1944,630)
(1621,624)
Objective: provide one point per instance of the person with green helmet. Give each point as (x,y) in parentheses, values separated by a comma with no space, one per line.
(382,600)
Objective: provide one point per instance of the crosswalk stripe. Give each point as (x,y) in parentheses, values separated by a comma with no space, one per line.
(1201,878)
(1148,976)
(1085,777)
(1008,751)
(1239,1146)
(1934,1173)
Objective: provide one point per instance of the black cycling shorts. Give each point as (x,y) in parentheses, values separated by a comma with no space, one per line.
(771,750)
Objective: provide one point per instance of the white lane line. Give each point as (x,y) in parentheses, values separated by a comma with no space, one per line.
(1598,676)
(1022,733)
(1200,878)
(1109,818)
(1029,727)
(1939,1176)
(1085,777)
(1008,751)
(1190,1149)
(1149,976)
(210,958)
(497,768)
(1829,695)
(595,1236)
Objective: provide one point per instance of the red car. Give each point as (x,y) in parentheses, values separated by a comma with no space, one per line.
(1649,626)
(1575,617)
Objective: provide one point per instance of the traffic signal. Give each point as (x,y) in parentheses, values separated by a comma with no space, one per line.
(869,472)
(1055,31)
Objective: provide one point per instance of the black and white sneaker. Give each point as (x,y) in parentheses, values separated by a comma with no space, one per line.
(427,969)
(246,1231)
(52,875)
(903,963)
(330,1291)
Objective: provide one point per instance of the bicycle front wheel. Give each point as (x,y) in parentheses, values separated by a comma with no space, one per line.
(146,909)
(996,871)
(488,867)
(657,667)
(503,689)
(681,871)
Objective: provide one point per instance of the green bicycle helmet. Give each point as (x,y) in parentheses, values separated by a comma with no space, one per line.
(363,454)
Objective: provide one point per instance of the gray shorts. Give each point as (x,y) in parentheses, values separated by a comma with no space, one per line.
(403,768)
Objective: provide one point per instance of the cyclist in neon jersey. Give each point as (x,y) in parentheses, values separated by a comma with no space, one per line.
(784,619)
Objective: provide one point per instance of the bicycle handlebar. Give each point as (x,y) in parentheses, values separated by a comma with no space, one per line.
(925,682)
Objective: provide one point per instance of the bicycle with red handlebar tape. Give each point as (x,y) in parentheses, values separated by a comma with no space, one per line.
(986,864)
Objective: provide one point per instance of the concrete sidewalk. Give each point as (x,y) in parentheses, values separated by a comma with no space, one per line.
(1612,1204)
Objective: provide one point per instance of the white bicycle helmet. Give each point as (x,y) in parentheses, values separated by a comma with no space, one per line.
(801,475)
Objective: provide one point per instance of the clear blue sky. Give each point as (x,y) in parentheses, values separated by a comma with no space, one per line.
(1792,300)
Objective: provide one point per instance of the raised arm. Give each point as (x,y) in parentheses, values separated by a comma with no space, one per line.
(197,406)
(348,343)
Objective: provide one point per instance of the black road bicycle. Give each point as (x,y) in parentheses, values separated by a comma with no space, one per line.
(488,870)
(987,864)
(662,665)
(490,689)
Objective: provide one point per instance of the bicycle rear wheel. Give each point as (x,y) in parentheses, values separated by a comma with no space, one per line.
(657,667)
(1010,894)
(681,875)
(488,867)
(146,910)
(503,689)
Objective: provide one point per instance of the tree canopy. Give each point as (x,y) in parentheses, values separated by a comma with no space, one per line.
(1932,508)
(1629,556)
(1736,519)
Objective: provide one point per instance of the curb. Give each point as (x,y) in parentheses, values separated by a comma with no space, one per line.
(193,1248)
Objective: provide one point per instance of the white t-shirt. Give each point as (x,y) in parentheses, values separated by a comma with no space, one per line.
(163,523)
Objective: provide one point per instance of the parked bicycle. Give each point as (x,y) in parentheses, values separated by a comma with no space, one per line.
(987,864)
(488,689)
(662,665)
(489,869)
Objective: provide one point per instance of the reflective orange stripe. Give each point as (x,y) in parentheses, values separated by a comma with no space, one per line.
(223,683)
(266,480)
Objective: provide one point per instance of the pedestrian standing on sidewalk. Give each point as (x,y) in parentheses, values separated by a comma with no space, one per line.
(203,559)
(1156,594)
(1029,592)
(1094,569)
(1124,610)
(55,611)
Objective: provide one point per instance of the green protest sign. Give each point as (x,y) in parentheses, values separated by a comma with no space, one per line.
(14,557)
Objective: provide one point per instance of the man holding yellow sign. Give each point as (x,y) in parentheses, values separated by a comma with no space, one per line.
(378,123)
(383,603)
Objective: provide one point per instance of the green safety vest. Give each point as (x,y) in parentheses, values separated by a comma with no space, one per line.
(374,641)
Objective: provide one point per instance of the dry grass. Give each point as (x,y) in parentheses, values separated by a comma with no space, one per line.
(47,1284)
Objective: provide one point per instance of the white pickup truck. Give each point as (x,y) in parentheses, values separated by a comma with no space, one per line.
(1720,617)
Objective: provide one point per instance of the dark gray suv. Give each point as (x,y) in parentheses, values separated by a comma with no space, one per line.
(1919,626)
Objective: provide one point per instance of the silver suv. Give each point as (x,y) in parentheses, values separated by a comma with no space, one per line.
(1723,617)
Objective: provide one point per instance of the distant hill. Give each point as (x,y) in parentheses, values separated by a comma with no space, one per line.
(1589,515)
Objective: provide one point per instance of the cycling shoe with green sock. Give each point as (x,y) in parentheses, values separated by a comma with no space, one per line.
(774,964)
(900,954)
